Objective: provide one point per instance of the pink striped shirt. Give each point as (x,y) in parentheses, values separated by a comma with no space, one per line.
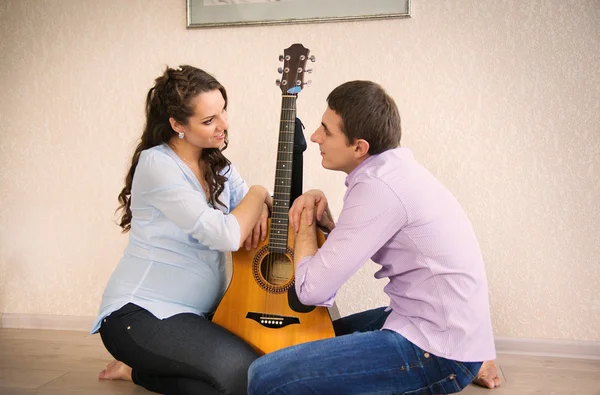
(401,217)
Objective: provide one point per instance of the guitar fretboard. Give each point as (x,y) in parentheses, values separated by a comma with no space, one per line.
(283,176)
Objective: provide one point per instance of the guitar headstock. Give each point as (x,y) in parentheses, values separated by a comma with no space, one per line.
(294,68)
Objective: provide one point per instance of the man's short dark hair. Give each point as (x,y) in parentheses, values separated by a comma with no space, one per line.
(368,113)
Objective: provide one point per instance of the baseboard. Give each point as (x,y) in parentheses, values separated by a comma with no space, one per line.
(504,345)
(46,321)
(334,312)
(548,347)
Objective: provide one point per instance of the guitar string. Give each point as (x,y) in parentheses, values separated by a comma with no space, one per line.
(288,110)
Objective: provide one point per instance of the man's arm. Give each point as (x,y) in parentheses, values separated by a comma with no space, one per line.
(306,239)
(372,214)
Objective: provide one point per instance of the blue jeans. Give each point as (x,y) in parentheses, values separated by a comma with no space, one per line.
(361,359)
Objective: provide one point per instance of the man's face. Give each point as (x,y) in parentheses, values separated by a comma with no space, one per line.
(336,152)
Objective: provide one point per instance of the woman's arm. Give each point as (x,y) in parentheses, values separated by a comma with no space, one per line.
(250,209)
(160,183)
(239,189)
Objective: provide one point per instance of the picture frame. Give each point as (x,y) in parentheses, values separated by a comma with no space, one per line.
(224,13)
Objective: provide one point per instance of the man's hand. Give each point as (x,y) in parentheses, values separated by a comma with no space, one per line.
(259,231)
(314,203)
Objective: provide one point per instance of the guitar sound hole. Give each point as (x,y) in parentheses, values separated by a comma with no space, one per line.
(277,269)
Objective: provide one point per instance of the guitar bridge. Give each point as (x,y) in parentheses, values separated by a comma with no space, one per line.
(272,321)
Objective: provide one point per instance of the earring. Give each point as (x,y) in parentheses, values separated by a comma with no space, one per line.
(180,135)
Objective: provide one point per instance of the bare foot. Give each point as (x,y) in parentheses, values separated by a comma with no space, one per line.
(116,370)
(488,375)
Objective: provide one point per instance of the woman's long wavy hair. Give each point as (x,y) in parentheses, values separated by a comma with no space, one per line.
(172,96)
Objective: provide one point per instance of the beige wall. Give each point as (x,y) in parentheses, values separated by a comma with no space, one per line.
(500,99)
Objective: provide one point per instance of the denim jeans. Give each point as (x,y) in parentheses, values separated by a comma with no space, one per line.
(181,355)
(361,360)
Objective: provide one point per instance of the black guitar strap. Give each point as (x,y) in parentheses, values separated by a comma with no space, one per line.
(297,164)
(296,190)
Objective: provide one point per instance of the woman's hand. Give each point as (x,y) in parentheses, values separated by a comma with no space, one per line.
(315,204)
(259,231)
(249,212)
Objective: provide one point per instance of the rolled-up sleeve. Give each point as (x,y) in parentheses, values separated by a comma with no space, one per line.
(372,214)
(162,184)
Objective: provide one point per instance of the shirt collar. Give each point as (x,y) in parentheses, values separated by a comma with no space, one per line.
(358,169)
(402,152)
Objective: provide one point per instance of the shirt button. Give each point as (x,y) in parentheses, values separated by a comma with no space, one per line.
(128,328)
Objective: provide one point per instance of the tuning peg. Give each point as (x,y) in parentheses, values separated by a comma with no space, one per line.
(280,70)
(309,71)
(308,83)
(312,58)
(278,82)
(281,58)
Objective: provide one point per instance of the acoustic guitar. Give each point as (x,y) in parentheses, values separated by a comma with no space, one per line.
(260,304)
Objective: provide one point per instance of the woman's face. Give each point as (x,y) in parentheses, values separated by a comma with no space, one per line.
(206,128)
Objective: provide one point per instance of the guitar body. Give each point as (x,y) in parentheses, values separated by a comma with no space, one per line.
(256,308)
(260,305)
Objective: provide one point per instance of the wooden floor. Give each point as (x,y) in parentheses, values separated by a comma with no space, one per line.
(67,363)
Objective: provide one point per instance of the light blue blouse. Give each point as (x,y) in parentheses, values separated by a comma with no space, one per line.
(174,261)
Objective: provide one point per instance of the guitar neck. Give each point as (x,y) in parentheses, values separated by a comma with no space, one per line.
(283,175)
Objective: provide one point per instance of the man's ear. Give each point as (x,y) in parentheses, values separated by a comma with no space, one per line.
(361,148)
(176,126)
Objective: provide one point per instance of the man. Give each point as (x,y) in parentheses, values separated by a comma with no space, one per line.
(436,332)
